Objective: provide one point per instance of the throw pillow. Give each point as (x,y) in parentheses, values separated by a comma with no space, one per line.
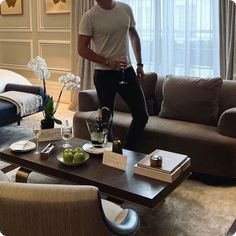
(191,99)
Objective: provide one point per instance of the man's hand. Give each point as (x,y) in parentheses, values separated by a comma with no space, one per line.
(140,72)
(115,64)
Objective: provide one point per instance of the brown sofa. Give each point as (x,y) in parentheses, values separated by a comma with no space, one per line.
(205,135)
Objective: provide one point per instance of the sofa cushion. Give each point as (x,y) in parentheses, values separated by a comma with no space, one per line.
(191,99)
(121,106)
(7,76)
(148,86)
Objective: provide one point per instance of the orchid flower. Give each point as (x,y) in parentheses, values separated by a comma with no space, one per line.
(70,81)
(40,68)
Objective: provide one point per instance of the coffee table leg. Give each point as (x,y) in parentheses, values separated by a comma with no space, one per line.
(22,175)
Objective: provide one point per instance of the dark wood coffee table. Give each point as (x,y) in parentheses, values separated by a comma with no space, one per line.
(123,185)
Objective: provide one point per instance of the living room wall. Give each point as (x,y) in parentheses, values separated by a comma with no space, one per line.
(36,33)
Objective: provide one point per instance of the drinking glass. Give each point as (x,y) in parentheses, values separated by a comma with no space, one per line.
(66,133)
(125,61)
(37,132)
(107,121)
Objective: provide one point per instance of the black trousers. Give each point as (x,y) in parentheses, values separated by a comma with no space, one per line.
(107,85)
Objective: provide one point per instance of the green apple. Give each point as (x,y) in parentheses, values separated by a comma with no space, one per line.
(79,156)
(68,156)
(78,149)
(68,150)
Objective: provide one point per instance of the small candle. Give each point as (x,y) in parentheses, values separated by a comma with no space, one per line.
(156,161)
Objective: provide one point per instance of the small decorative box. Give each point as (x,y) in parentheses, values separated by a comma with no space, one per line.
(47,151)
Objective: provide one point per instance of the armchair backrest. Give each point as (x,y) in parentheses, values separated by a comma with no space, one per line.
(47,209)
(39,209)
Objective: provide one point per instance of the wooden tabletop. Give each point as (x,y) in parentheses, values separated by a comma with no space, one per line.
(119,184)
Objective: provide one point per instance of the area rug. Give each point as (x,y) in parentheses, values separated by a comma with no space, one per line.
(13,133)
(193,209)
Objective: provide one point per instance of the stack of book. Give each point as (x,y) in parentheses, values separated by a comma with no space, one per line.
(173,164)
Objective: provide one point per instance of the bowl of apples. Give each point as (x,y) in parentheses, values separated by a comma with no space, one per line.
(73,156)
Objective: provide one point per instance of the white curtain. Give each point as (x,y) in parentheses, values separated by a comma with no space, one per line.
(178,36)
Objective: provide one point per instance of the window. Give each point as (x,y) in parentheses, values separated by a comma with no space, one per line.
(178,37)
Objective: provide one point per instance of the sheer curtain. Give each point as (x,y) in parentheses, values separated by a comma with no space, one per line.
(178,36)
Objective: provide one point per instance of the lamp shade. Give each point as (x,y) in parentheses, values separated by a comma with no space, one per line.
(1,1)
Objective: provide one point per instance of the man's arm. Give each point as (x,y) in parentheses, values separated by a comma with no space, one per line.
(136,45)
(85,52)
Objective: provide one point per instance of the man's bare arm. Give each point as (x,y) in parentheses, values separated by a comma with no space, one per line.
(136,45)
(85,52)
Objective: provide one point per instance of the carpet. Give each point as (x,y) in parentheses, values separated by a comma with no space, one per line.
(193,209)
(10,134)
(13,133)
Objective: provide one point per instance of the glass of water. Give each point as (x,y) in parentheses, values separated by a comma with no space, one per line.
(37,132)
(66,133)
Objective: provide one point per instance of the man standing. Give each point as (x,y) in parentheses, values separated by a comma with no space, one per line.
(110,25)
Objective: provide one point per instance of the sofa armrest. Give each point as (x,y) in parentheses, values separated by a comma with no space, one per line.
(25,88)
(88,100)
(227,123)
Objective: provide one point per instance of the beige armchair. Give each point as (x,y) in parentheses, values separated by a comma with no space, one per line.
(47,209)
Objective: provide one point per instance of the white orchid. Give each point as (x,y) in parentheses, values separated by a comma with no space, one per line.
(70,81)
(39,66)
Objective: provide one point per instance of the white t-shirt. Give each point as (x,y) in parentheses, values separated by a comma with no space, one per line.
(109,30)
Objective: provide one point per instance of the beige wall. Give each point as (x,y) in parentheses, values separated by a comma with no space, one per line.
(36,33)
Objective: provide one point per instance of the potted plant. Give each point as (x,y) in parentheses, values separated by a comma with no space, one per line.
(70,81)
